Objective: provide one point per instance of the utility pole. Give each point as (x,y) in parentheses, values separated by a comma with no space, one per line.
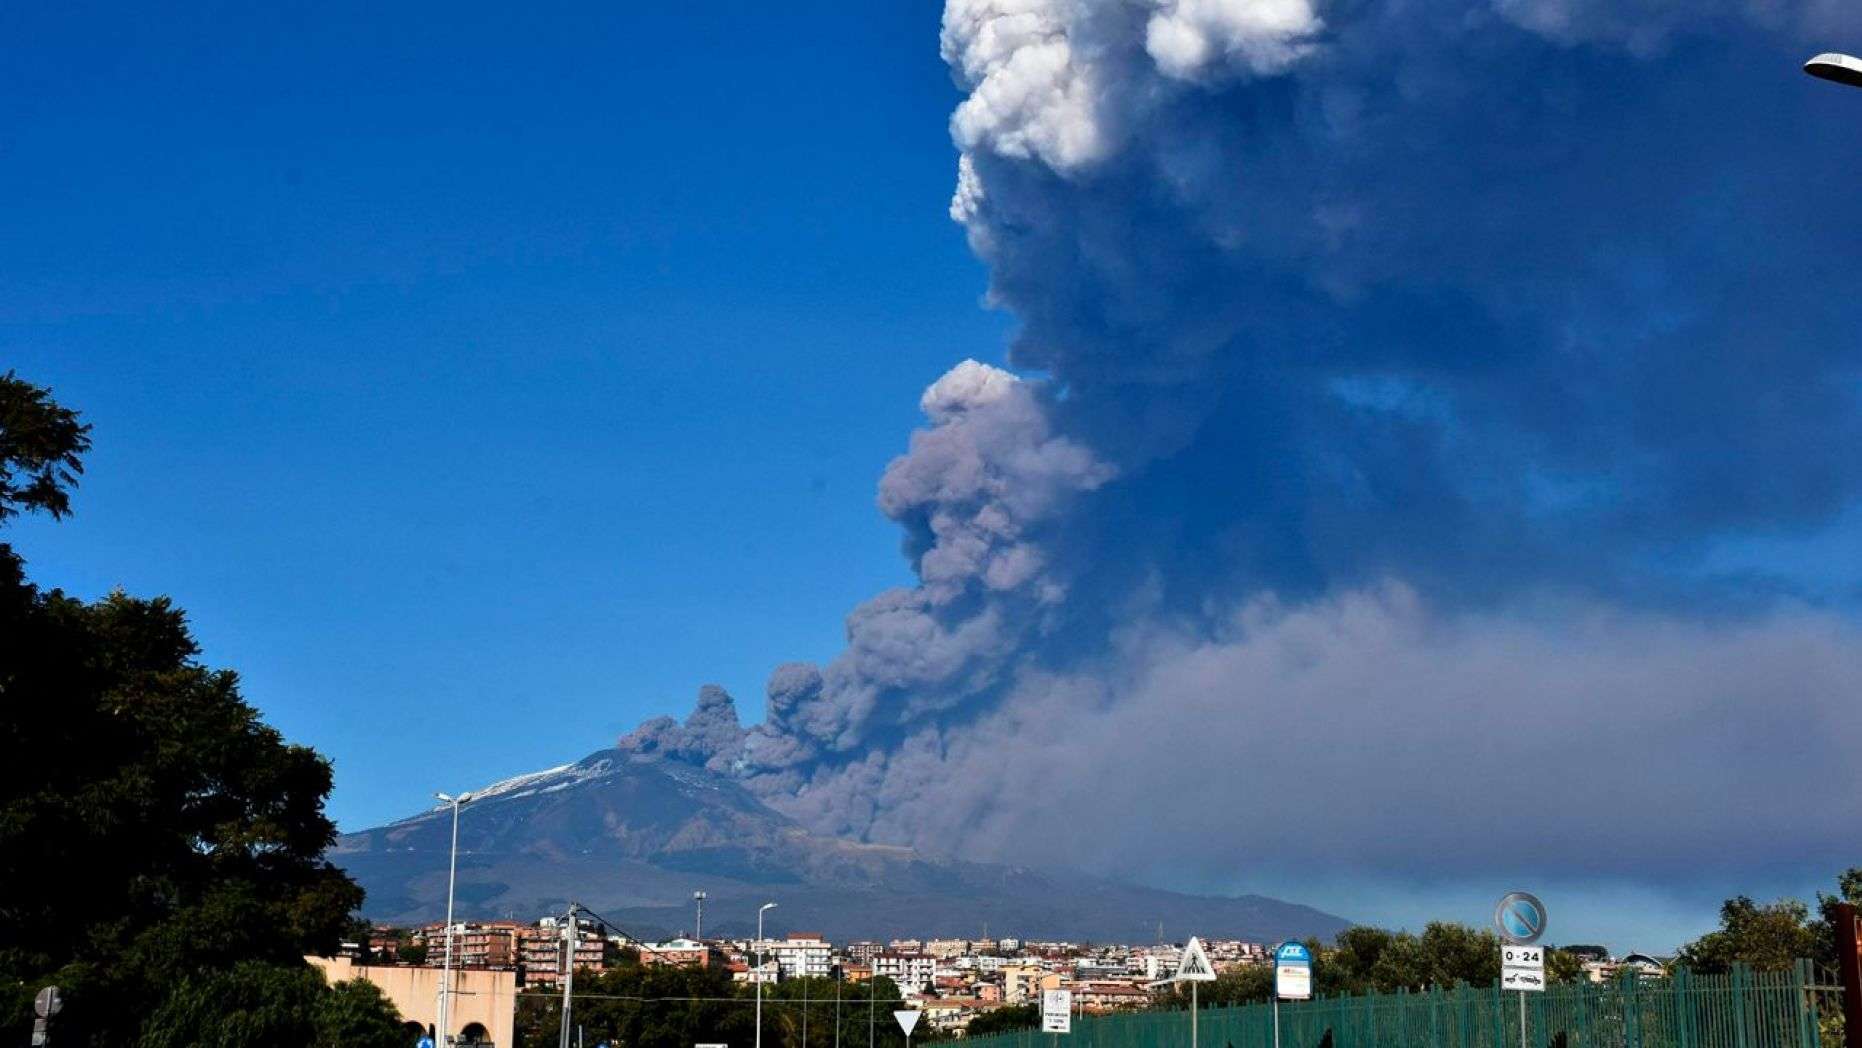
(568,973)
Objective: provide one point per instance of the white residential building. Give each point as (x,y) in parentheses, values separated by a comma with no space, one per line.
(801,954)
(912,972)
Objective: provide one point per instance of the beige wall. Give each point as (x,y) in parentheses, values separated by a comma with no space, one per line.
(483,997)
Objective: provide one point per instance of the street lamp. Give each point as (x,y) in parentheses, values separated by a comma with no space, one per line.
(759,970)
(452,873)
(1844,69)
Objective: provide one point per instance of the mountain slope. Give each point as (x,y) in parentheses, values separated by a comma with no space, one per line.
(632,836)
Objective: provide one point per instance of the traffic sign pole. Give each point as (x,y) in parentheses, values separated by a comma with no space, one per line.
(1520,919)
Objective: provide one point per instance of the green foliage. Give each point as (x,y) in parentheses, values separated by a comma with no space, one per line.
(1766,936)
(40,448)
(152,827)
(416,953)
(1002,1020)
(254,1005)
(356,1014)
(1364,959)
(663,1006)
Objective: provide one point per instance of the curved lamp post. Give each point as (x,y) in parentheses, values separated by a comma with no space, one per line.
(1843,69)
(446,970)
(759,970)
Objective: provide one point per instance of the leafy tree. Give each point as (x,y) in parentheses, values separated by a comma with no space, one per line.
(254,1005)
(152,827)
(1002,1020)
(41,449)
(1563,966)
(665,1006)
(414,953)
(1765,936)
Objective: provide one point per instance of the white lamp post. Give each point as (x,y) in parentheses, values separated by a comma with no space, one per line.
(1844,69)
(446,969)
(759,970)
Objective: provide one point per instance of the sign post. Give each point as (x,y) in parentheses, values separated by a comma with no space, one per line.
(1292,978)
(1194,968)
(1520,920)
(1057,1012)
(908,1018)
(47,1004)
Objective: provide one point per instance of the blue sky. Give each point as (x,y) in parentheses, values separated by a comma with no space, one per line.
(482,381)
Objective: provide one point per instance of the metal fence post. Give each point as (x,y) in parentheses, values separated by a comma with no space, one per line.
(1800,999)
(1741,1028)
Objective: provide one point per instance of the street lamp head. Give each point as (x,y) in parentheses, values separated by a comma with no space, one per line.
(1843,69)
(444,799)
(766,906)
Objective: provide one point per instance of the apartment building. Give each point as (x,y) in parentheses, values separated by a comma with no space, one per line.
(540,951)
(684,953)
(802,954)
(1023,983)
(912,972)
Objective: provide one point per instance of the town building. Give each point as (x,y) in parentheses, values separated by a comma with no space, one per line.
(911,972)
(684,953)
(1024,983)
(1109,995)
(802,954)
(540,951)
(482,1008)
(953,1014)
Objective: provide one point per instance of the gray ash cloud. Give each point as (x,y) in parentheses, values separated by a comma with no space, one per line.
(1395,372)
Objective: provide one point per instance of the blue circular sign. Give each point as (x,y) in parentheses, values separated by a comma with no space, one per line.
(1520,918)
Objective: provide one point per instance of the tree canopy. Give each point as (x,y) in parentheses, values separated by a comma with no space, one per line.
(667,1006)
(152,827)
(41,449)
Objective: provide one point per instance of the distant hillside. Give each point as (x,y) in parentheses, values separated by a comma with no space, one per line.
(632,837)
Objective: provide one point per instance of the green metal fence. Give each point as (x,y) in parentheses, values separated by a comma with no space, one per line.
(1741,1009)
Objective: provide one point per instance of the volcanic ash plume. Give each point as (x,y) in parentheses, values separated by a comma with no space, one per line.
(1427,391)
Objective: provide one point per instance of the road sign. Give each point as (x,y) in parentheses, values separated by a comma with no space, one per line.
(1057,1011)
(1292,971)
(1195,966)
(1520,918)
(907,1018)
(48,1003)
(1522,967)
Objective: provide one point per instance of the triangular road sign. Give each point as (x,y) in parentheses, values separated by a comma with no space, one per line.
(1195,966)
(907,1019)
